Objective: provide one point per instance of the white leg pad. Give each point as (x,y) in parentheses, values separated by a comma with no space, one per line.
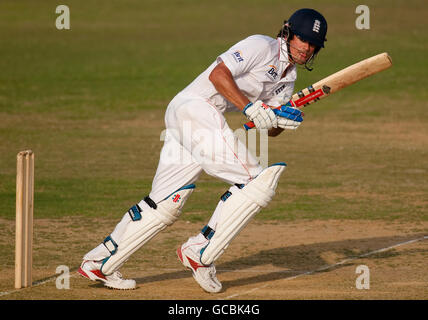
(136,228)
(240,206)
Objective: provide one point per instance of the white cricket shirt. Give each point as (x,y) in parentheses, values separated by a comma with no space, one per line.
(256,64)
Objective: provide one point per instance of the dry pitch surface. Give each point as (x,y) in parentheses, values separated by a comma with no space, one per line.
(276,261)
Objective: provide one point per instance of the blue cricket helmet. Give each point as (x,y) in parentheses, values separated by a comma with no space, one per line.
(309,25)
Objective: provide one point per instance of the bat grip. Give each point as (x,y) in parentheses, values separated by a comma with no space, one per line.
(250,124)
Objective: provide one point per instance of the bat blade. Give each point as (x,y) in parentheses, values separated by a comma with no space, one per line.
(338,81)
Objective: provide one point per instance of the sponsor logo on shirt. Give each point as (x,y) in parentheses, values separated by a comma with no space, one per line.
(278,91)
(272,72)
(238,56)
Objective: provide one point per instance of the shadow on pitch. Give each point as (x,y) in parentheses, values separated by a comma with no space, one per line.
(292,260)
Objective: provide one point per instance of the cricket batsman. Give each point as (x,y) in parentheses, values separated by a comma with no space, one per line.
(253,76)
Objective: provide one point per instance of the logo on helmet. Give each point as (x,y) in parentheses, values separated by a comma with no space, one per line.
(317,26)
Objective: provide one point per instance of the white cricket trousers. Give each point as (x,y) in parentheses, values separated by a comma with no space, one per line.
(198,139)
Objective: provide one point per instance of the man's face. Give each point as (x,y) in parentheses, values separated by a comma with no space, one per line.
(301,50)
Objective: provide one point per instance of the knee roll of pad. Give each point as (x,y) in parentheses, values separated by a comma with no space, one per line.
(140,224)
(241,203)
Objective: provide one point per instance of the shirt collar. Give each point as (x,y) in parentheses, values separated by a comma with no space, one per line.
(282,51)
(283,57)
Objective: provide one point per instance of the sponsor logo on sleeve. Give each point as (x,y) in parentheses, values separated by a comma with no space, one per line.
(237,55)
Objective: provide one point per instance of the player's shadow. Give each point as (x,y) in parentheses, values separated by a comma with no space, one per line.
(292,260)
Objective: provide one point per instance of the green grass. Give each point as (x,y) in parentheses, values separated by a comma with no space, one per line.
(90,103)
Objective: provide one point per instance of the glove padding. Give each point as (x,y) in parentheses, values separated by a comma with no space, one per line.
(288,117)
(261,114)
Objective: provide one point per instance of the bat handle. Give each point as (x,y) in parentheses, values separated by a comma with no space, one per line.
(250,124)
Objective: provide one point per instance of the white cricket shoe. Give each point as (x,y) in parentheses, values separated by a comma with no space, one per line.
(204,275)
(90,269)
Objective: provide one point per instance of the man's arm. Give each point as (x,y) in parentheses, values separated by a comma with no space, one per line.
(223,81)
(262,115)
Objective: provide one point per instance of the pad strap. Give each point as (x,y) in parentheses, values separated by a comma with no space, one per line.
(150,202)
(207,232)
(135,212)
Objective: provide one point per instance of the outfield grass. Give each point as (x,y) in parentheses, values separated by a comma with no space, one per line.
(90,102)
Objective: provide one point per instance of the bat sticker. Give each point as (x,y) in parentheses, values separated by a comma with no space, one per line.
(326,89)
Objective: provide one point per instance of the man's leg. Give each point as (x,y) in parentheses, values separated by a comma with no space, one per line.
(252,188)
(235,210)
(144,220)
(239,205)
(138,226)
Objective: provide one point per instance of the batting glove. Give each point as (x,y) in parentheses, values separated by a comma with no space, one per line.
(261,114)
(288,117)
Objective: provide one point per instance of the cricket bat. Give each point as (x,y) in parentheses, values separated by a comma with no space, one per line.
(337,81)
